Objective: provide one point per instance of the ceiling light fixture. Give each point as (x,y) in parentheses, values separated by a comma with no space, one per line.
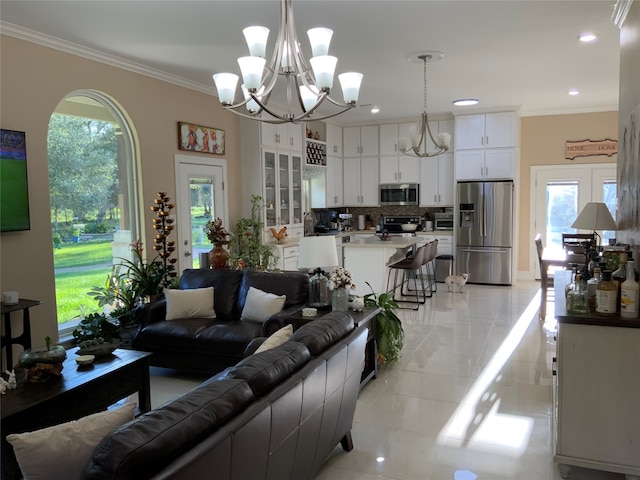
(587,37)
(465,102)
(573,92)
(308,84)
(419,141)
(375,109)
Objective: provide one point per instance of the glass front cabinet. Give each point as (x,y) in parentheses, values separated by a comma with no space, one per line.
(282,190)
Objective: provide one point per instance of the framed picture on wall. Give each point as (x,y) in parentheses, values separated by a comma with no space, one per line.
(196,138)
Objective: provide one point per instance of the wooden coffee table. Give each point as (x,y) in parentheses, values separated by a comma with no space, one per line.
(79,392)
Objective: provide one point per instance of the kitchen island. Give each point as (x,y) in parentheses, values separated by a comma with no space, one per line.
(367,260)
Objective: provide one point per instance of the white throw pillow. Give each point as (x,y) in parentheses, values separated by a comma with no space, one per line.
(278,338)
(62,451)
(260,305)
(190,303)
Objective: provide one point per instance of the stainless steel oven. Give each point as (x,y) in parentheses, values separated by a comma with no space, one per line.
(399,194)
(443,221)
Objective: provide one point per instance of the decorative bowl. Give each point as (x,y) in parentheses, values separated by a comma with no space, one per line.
(98,350)
(409,227)
(85,360)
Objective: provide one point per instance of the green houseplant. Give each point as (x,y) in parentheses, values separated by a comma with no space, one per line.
(388,331)
(247,249)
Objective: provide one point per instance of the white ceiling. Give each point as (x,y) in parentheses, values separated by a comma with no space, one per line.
(506,53)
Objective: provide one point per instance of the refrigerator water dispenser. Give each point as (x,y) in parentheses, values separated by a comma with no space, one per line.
(466,215)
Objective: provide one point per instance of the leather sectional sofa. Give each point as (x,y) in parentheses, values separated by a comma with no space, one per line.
(277,414)
(209,345)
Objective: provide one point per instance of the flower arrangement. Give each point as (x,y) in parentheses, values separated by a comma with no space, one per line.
(216,233)
(340,278)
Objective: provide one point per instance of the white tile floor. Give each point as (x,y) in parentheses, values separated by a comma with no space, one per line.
(470,398)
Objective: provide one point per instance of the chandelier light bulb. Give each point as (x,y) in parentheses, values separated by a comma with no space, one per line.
(309,96)
(320,39)
(251,68)
(256,38)
(323,68)
(226,86)
(251,105)
(350,83)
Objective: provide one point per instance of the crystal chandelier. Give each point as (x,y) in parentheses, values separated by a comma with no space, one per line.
(419,141)
(308,84)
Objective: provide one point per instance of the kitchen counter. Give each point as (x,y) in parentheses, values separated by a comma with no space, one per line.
(367,260)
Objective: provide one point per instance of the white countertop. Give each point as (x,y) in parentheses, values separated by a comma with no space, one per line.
(375,242)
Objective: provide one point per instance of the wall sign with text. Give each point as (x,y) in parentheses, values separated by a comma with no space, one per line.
(590,148)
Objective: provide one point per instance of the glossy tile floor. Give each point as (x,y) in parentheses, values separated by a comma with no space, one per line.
(470,398)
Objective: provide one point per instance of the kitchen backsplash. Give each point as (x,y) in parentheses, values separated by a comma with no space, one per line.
(374,213)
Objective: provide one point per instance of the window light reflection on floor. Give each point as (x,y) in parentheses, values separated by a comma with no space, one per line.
(491,432)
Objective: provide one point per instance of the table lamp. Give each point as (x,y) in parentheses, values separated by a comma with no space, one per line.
(595,216)
(318,252)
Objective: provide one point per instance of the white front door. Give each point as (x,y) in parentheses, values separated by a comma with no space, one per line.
(201,197)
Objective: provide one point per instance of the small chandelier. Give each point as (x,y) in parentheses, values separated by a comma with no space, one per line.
(308,84)
(419,141)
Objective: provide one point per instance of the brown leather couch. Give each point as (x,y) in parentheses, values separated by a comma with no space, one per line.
(209,345)
(275,415)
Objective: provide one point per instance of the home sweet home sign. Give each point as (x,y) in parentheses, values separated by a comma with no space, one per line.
(589,148)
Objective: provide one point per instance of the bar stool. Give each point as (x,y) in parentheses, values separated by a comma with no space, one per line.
(430,266)
(408,269)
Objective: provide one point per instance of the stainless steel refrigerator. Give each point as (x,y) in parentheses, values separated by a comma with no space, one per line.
(484,231)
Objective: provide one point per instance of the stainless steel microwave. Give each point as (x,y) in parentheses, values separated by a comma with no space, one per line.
(399,194)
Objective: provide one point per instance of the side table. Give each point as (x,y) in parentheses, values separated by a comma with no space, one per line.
(25,338)
(361,320)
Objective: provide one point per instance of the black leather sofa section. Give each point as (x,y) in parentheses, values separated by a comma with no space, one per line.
(209,345)
(301,407)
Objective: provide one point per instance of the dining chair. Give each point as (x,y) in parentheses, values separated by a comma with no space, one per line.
(546,278)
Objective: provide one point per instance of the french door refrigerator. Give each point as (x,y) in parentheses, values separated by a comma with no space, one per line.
(484,232)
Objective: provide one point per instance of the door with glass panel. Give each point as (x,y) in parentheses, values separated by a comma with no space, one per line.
(200,197)
(560,193)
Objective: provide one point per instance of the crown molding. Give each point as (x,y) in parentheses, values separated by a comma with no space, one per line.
(49,41)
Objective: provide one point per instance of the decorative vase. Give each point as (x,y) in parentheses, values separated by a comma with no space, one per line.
(340,300)
(218,256)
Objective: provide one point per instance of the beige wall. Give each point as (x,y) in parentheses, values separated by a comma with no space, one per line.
(542,142)
(33,80)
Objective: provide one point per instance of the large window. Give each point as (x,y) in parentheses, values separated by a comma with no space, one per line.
(92,184)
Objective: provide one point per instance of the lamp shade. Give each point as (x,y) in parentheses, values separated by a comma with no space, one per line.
(595,216)
(316,252)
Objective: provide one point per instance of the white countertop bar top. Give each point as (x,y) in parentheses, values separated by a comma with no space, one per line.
(375,242)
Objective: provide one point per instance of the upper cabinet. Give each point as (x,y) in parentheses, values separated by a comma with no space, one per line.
(283,135)
(436,181)
(486,146)
(360,141)
(392,136)
(361,176)
(486,130)
(334,140)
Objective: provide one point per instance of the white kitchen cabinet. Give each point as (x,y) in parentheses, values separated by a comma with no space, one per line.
(360,141)
(334,182)
(436,180)
(399,169)
(284,135)
(361,181)
(486,130)
(282,192)
(334,140)
(597,398)
(287,256)
(393,137)
(486,164)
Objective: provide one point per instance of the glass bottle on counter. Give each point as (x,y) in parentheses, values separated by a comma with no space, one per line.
(592,283)
(577,300)
(572,284)
(619,276)
(606,295)
(629,294)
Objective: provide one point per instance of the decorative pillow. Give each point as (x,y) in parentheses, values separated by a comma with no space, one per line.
(61,452)
(189,303)
(259,305)
(278,338)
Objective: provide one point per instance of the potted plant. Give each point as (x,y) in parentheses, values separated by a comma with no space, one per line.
(247,249)
(388,329)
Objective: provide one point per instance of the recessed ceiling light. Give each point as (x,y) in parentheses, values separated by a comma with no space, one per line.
(588,37)
(375,109)
(464,102)
(573,92)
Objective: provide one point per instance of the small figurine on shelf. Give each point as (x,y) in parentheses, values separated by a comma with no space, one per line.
(309,133)
(11,383)
(3,385)
(316,136)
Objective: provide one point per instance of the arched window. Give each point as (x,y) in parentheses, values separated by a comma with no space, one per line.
(92,155)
